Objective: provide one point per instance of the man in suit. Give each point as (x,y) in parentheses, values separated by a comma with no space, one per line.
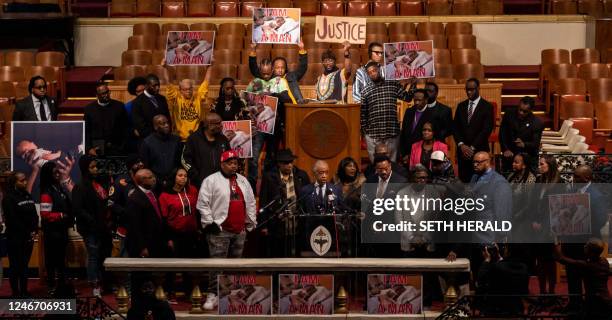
(37,106)
(321,196)
(441,115)
(520,131)
(381,150)
(473,125)
(148,105)
(412,123)
(280,186)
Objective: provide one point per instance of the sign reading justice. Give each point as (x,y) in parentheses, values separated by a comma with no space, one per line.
(340,29)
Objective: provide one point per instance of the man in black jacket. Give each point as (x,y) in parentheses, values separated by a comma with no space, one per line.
(148,105)
(473,124)
(37,106)
(106,124)
(441,114)
(161,151)
(412,123)
(520,131)
(280,188)
(203,150)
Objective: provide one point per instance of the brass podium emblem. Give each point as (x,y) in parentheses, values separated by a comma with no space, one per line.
(323,134)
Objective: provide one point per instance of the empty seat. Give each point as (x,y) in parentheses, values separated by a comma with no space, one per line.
(157,56)
(358,8)
(563,7)
(142,42)
(164,74)
(310,43)
(607,58)
(291,55)
(375,37)
(314,55)
(567,89)
(600,90)
(584,127)
(575,109)
(462,72)
(401,28)
(226,56)
(226,8)
(402,37)
(490,7)
(312,73)
(603,112)
(308,7)
(424,28)
(439,40)
(244,74)
(121,8)
(12,73)
(591,7)
(229,42)
(173,9)
(50,58)
(589,71)
(7,91)
(279,3)
(136,57)
(203,26)
(464,7)
(246,7)
(438,8)
(445,80)
(462,41)
(234,29)
(410,7)
(147,8)
(199,8)
(146,29)
(458,28)
(549,57)
(585,55)
(19,58)
(443,70)
(376,27)
(384,8)
(332,8)
(126,73)
(459,56)
(220,71)
(173,27)
(442,56)
(193,72)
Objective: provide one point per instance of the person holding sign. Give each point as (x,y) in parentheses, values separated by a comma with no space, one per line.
(332,84)
(362,80)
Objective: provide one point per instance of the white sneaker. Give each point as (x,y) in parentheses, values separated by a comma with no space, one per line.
(97,293)
(211,302)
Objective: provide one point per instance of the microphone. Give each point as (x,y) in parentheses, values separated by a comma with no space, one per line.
(261,210)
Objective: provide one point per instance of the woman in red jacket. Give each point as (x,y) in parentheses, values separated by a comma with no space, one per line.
(179,216)
(422,150)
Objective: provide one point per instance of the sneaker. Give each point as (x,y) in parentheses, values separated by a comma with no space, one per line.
(172,301)
(211,302)
(97,292)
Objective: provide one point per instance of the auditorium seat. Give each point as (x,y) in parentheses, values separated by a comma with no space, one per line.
(453,28)
(445,80)
(308,7)
(464,7)
(290,54)
(147,8)
(229,41)
(314,55)
(46,72)
(358,8)
(244,74)
(375,37)
(462,72)
(310,43)
(376,27)
(226,56)
(164,74)
(332,8)
(603,113)
(490,7)
(142,42)
(575,109)
(585,128)
(8,92)
(443,70)
(220,71)
(424,28)
(554,74)
(402,27)
(279,3)
(311,75)
(226,8)
(585,55)
(146,29)
(136,57)
(307,28)
(173,27)
(438,8)
(460,56)
(194,72)
(157,56)
(549,57)
(384,8)
(591,7)
(567,89)
(19,58)
(261,54)
(563,7)
(439,40)
(246,7)
(121,8)
(462,41)
(402,37)
(410,7)
(126,73)
(599,90)
(173,9)
(442,56)
(589,71)
(50,58)
(199,8)
(235,29)
(203,26)
(160,42)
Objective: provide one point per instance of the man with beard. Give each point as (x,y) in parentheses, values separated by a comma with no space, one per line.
(333,83)
(106,124)
(520,131)
(37,106)
(362,80)
(441,115)
(160,151)
(203,150)
(379,120)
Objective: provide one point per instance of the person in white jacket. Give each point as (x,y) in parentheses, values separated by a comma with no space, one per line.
(227,208)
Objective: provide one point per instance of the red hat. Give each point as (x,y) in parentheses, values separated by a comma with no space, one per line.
(229,154)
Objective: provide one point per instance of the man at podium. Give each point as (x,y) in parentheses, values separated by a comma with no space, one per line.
(322,196)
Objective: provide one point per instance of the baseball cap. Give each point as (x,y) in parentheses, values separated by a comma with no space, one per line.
(229,154)
(437,155)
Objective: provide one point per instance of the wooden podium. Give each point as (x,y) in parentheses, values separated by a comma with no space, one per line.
(317,131)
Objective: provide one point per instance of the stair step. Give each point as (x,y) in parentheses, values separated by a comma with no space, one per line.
(520,71)
(527,87)
(75,106)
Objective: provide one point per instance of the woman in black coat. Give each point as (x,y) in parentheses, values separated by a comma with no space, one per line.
(21,222)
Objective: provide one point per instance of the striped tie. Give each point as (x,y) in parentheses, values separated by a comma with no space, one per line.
(470,111)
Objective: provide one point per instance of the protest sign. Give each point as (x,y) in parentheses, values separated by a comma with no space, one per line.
(238,133)
(404,60)
(570,214)
(189,47)
(276,25)
(262,109)
(306,294)
(340,29)
(244,294)
(394,294)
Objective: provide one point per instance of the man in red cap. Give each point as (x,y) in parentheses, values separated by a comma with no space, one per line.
(227,208)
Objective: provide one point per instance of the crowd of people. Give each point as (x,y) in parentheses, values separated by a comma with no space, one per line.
(184,194)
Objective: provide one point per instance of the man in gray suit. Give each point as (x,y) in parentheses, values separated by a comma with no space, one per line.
(37,106)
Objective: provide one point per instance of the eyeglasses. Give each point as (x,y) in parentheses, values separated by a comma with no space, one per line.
(378,52)
(44,87)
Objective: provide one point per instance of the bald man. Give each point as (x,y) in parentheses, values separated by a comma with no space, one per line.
(161,151)
(322,196)
(203,149)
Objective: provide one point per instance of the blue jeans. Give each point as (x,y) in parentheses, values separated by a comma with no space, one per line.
(258,142)
(98,248)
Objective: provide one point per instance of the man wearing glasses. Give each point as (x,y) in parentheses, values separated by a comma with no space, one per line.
(37,106)
(376,54)
(106,124)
